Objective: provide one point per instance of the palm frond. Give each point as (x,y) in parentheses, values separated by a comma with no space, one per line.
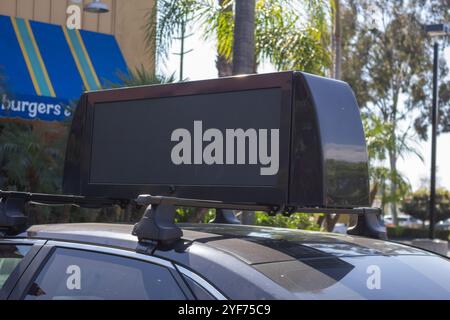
(140,77)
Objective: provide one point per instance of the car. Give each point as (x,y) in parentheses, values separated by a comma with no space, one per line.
(443,225)
(404,220)
(213,262)
(340,228)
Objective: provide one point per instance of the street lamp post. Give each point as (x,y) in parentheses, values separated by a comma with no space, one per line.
(435,30)
(434,123)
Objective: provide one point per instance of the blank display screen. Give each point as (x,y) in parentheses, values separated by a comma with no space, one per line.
(209,139)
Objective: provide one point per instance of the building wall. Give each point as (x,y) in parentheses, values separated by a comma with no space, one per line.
(125,21)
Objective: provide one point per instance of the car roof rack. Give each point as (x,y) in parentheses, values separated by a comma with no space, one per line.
(158,221)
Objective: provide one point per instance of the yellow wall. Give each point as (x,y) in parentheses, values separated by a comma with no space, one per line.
(125,21)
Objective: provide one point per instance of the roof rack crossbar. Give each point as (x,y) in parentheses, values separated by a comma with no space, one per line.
(146,199)
(60,199)
(357,211)
(98,202)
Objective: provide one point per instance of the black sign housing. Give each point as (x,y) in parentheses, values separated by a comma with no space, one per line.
(288,138)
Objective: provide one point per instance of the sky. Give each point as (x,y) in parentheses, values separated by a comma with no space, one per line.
(200,64)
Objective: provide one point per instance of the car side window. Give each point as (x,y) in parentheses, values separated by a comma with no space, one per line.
(10,257)
(199,292)
(78,274)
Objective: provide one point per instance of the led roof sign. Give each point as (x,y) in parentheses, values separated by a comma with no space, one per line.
(288,139)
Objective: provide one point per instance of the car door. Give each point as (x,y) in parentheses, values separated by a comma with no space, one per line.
(67,271)
(15,256)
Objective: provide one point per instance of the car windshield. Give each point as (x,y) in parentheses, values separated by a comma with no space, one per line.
(377,277)
(368,277)
(325,266)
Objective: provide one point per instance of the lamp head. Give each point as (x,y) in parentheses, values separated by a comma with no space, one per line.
(437,30)
(96,6)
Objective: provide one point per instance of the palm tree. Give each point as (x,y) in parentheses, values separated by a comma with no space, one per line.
(288,33)
(244,55)
(244,38)
(224,65)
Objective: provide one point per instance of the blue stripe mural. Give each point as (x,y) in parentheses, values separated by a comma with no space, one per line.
(44,68)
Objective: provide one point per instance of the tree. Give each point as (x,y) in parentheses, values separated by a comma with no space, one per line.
(244,55)
(416,204)
(433,11)
(244,38)
(290,34)
(31,159)
(378,142)
(385,64)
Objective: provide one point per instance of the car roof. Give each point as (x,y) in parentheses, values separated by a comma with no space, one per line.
(251,244)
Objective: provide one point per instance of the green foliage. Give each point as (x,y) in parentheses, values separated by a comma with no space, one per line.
(289,34)
(194,215)
(294,221)
(72,214)
(223,20)
(31,160)
(165,21)
(140,77)
(401,233)
(416,204)
(393,58)
(289,41)
(379,140)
